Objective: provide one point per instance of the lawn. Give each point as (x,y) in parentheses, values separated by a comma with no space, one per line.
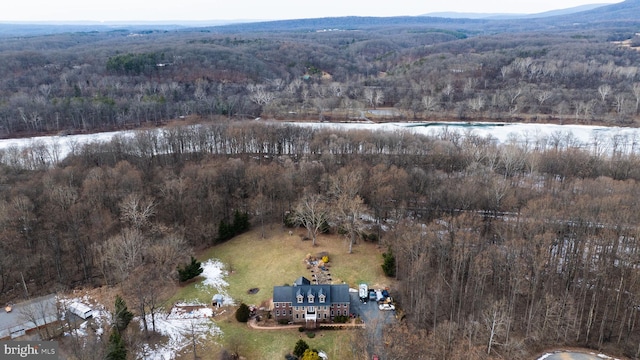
(278,259)
(253,262)
(274,344)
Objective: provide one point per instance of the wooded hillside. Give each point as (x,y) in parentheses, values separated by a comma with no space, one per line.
(422,68)
(500,250)
(541,244)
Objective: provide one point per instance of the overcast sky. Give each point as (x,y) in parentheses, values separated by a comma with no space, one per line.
(163,10)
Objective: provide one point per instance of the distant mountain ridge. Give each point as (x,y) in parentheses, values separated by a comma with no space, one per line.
(628,10)
(595,15)
(509,16)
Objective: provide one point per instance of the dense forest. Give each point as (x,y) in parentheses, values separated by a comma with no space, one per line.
(90,81)
(501,250)
(539,242)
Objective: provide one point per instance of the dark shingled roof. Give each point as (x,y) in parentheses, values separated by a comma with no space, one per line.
(333,293)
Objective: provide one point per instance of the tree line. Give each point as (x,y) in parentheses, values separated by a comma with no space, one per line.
(500,250)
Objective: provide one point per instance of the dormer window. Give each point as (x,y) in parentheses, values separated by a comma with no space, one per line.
(310,296)
(300,298)
(321,296)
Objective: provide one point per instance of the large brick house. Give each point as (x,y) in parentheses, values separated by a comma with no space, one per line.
(310,304)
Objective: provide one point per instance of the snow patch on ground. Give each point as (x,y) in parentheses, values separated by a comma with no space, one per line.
(188,318)
(100,319)
(214,283)
(184,322)
(184,312)
(180,326)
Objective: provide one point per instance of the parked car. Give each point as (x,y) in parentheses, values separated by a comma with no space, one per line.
(375,357)
(386,307)
(363,292)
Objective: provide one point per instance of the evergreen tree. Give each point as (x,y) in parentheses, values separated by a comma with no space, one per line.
(190,271)
(122,316)
(389,264)
(240,222)
(239,225)
(116,349)
(225,231)
(301,346)
(243,313)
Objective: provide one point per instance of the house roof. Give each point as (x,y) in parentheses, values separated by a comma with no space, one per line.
(334,293)
(301,281)
(42,309)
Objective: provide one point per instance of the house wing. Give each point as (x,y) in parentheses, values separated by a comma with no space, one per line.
(283,294)
(301,281)
(340,293)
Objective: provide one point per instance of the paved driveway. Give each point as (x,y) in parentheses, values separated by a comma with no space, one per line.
(369,312)
(374,321)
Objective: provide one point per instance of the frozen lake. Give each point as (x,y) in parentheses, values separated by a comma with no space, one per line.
(502,132)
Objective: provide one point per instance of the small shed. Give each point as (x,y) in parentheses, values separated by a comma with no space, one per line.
(217,300)
(81,310)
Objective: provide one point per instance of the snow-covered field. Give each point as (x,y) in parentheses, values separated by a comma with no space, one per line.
(186,320)
(214,283)
(585,136)
(61,146)
(180,327)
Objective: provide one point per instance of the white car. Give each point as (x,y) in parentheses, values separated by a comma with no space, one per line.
(363,291)
(386,307)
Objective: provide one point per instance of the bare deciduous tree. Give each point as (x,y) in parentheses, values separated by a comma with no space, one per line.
(543,96)
(347,203)
(137,211)
(495,318)
(604,90)
(312,213)
(40,312)
(124,252)
(430,103)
